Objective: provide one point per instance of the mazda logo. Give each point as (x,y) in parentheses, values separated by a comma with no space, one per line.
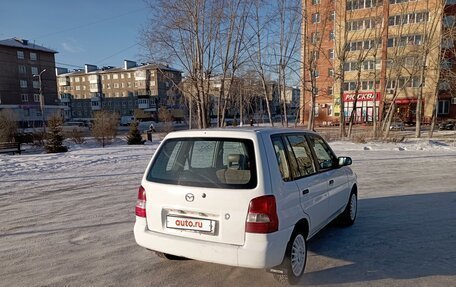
(189,197)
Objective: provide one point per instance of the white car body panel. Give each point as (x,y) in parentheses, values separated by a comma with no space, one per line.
(229,243)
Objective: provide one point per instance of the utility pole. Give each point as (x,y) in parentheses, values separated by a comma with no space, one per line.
(41,100)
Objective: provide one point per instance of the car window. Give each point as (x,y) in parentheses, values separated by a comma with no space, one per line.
(205,162)
(299,149)
(281,157)
(326,158)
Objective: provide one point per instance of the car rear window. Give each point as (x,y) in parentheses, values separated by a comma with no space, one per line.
(205,162)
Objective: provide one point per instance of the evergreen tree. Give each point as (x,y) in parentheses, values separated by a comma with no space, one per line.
(55,138)
(134,137)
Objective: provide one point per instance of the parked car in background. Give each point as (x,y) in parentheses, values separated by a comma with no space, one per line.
(126,120)
(243,197)
(397,126)
(447,125)
(69,127)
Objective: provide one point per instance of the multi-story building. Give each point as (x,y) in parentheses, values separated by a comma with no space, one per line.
(25,68)
(133,89)
(369,54)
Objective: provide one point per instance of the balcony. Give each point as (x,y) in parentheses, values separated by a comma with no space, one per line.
(64,81)
(95,103)
(65,98)
(143,103)
(140,75)
(94,79)
(94,88)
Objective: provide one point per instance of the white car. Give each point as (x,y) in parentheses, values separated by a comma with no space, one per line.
(243,197)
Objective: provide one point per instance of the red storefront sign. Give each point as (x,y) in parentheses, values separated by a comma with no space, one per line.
(361,97)
(405,101)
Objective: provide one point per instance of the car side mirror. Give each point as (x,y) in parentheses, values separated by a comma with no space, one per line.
(344,160)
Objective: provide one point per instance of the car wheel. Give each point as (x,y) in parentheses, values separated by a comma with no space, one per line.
(294,263)
(348,217)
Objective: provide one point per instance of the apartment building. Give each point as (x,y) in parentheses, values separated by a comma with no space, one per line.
(370,54)
(23,65)
(133,89)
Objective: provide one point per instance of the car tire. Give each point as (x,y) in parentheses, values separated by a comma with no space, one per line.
(348,217)
(294,263)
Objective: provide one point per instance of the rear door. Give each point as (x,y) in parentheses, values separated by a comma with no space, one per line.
(313,191)
(201,188)
(335,179)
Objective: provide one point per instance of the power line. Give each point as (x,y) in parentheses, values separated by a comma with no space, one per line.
(89,24)
(116,53)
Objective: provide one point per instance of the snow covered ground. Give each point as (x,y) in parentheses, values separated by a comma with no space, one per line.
(67,219)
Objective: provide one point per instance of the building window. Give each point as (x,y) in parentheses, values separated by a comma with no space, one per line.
(76,79)
(315,2)
(23,84)
(36,84)
(115,76)
(116,85)
(315,37)
(24,98)
(363,4)
(22,69)
(332,16)
(400,1)
(36,98)
(331,54)
(33,56)
(330,91)
(34,71)
(443,108)
(449,21)
(331,35)
(330,72)
(78,88)
(316,18)
(20,55)
(315,55)
(315,73)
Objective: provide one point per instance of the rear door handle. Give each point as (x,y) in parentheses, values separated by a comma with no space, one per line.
(305,191)
(331,182)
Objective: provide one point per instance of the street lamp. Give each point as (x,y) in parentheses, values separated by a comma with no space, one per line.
(41,99)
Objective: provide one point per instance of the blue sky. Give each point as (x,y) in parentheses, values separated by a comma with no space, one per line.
(99,32)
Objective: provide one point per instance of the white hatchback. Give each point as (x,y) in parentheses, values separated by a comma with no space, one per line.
(243,197)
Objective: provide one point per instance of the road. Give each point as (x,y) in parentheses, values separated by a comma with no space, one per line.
(68,220)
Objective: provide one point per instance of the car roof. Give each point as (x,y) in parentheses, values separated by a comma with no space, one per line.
(245,132)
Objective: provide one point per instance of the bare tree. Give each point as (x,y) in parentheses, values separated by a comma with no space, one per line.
(446,77)
(259,23)
(230,55)
(187,32)
(104,127)
(289,38)
(317,19)
(8,125)
(431,42)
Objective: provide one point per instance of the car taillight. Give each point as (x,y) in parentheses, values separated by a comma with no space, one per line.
(262,215)
(141,202)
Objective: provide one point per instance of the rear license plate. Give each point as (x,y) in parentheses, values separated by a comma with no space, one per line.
(189,223)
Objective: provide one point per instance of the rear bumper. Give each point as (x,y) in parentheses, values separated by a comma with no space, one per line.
(258,251)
